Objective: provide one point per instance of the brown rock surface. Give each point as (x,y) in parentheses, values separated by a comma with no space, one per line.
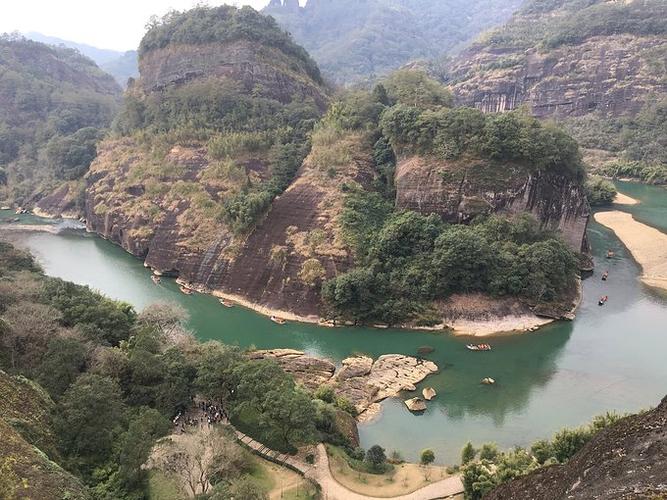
(361,380)
(625,461)
(458,191)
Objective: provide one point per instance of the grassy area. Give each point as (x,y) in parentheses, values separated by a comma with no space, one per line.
(161,487)
(401,480)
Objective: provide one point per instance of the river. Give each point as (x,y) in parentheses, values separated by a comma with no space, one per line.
(608,358)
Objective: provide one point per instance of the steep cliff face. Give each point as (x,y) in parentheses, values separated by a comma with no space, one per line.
(625,461)
(607,74)
(222,199)
(254,66)
(265,267)
(458,191)
(591,65)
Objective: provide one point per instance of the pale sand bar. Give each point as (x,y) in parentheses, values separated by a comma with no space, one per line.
(622,199)
(647,245)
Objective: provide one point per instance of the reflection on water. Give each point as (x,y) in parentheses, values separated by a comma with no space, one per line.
(610,357)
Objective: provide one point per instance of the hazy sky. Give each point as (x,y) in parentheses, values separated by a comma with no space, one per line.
(115,24)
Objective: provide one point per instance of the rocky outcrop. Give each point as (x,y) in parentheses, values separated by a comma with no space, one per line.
(249,64)
(459,191)
(361,380)
(625,461)
(66,201)
(608,74)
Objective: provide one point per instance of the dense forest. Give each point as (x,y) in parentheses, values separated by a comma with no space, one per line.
(56,105)
(110,382)
(356,41)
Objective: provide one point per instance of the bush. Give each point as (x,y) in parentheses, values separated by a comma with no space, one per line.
(325,393)
(427,457)
(600,191)
(376,458)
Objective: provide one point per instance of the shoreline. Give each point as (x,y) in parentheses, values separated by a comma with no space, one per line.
(647,245)
(492,325)
(623,199)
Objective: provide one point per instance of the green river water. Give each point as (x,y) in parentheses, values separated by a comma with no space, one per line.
(609,358)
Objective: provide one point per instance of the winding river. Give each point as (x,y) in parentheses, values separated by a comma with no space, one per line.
(609,358)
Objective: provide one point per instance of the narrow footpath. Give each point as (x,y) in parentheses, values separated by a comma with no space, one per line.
(320,473)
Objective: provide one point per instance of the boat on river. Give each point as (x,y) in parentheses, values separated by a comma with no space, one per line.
(156,279)
(488,381)
(610,254)
(227,303)
(603,300)
(278,320)
(186,290)
(479,347)
(605,275)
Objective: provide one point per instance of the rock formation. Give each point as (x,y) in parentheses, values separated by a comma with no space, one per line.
(627,460)
(459,191)
(360,380)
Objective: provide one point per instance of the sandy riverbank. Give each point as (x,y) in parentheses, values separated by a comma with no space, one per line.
(622,199)
(647,245)
(31,228)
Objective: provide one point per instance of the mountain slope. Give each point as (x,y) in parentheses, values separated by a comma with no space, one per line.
(120,65)
(354,41)
(596,66)
(27,438)
(625,461)
(54,105)
(213,131)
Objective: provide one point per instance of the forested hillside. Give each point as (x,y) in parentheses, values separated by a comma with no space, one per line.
(596,66)
(88,386)
(54,107)
(120,65)
(356,41)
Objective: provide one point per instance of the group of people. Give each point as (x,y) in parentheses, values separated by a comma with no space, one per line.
(202,413)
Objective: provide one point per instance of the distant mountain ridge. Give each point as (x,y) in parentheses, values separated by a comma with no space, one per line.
(120,65)
(354,41)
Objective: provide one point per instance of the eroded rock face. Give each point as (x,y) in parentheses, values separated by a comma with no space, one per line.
(459,191)
(250,65)
(361,380)
(608,74)
(625,461)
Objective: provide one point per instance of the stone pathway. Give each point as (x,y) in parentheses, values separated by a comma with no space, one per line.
(320,473)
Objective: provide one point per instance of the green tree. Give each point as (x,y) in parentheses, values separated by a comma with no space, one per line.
(542,450)
(489,451)
(376,458)
(63,362)
(87,421)
(468,453)
(427,457)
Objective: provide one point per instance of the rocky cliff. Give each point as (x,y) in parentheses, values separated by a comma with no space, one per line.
(588,65)
(460,190)
(167,199)
(625,461)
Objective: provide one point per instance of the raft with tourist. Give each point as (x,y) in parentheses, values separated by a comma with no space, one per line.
(605,275)
(156,279)
(186,290)
(478,347)
(277,320)
(603,300)
(227,303)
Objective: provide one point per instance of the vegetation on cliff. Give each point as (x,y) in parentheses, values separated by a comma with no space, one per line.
(55,106)
(406,260)
(231,148)
(354,41)
(487,468)
(596,66)
(112,380)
